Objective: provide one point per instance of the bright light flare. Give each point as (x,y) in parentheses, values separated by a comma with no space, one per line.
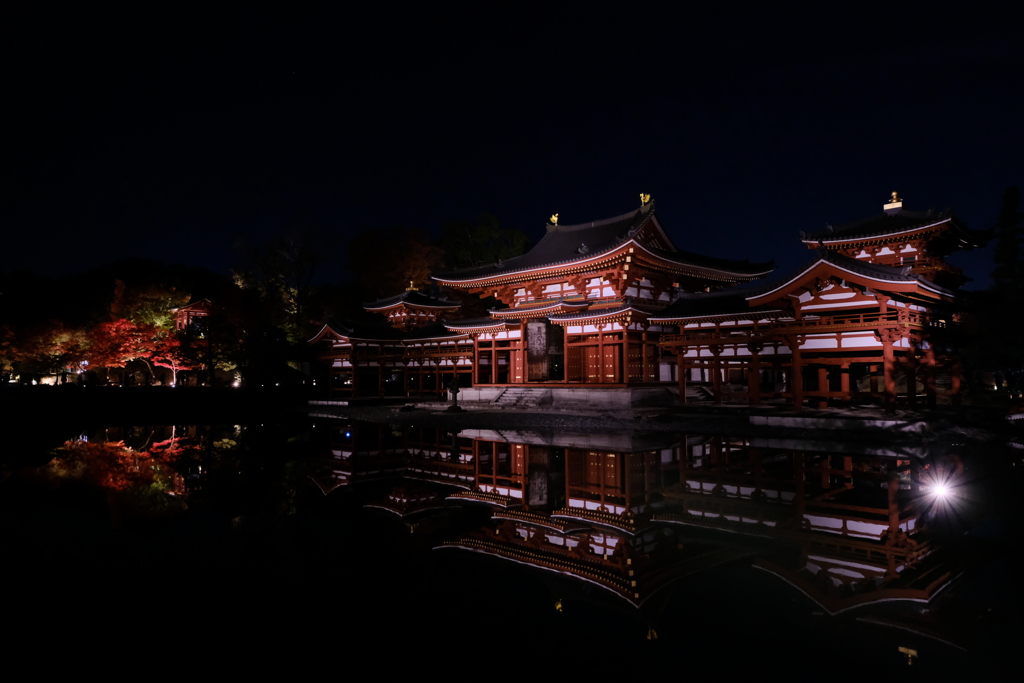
(941,491)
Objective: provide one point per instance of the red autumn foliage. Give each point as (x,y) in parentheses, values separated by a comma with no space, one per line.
(116,343)
(167,353)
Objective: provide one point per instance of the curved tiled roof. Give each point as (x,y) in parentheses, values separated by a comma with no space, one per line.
(473,323)
(541,305)
(894,223)
(869,270)
(692,305)
(563,244)
(412,298)
(730,302)
(435,330)
(597,313)
(367,331)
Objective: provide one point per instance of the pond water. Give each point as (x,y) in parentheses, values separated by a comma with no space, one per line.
(300,540)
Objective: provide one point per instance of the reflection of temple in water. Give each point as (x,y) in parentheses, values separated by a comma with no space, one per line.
(429,461)
(634,514)
(848,524)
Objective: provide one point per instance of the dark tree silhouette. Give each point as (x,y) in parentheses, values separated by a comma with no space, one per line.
(386,260)
(480,242)
(1008,274)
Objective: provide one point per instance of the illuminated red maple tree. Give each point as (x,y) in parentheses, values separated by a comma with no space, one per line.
(118,342)
(167,353)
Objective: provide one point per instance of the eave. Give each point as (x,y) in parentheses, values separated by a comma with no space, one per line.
(323,332)
(824,269)
(607,315)
(481,328)
(609,258)
(541,311)
(452,337)
(752,314)
(881,237)
(412,307)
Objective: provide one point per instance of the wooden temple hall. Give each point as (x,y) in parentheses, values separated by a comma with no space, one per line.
(615,304)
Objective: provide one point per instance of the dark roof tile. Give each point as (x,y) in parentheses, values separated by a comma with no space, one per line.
(412,298)
(871,270)
(894,222)
(569,243)
(360,330)
(714,303)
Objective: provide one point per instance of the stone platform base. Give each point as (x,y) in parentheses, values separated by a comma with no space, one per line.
(577,397)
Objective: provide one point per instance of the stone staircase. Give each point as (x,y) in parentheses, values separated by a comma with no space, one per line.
(697,393)
(519,397)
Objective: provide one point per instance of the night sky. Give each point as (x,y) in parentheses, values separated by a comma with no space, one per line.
(170,136)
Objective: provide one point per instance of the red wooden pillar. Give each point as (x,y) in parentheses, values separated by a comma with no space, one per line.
(888,361)
(716,377)
(844,381)
(796,375)
(643,356)
(476,361)
(894,517)
(754,375)
(681,377)
(929,377)
(823,386)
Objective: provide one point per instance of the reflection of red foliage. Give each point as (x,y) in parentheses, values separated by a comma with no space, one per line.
(112,465)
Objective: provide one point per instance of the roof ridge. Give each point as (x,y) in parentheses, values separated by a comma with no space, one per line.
(835,258)
(646,209)
(886,223)
(722,293)
(404,296)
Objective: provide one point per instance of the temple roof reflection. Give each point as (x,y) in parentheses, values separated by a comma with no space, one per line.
(845,524)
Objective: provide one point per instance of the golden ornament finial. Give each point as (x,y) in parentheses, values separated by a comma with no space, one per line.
(554,219)
(644,198)
(895,198)
(411,287)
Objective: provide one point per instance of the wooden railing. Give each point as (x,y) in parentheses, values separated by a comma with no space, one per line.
(834,323)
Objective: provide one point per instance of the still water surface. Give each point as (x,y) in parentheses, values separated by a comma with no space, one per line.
(636,553)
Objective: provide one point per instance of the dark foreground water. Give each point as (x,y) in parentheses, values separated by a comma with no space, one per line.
(330,547)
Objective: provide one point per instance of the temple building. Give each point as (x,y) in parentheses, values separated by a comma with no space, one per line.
(186,316)
(616,305)
(577,305)
(575,311)
(868,310)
